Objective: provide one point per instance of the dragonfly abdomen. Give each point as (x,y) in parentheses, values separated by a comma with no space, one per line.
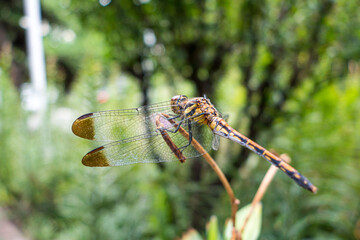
(222,128)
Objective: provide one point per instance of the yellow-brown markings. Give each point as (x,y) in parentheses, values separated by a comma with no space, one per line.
(84,126)
(224,131)
(288,167)
(297,176)
(212,125)
(266,155)
(193,110)
(274,159)
(95,158)
(250,144)
(237,137)
(219,125)
(254,144)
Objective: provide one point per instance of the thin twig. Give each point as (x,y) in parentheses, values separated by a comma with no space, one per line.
(233,200)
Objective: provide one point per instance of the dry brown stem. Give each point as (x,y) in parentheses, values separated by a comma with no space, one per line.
(233,200)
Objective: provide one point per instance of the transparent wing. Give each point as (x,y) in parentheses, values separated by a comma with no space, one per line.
(148,148)
(120,124)
(215,142)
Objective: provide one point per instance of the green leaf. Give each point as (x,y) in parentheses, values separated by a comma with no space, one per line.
(212,229)
(253,226)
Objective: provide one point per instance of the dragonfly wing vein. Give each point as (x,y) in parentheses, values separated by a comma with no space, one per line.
(140,149)
(117,124)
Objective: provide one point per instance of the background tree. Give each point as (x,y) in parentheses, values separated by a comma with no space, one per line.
(287,72)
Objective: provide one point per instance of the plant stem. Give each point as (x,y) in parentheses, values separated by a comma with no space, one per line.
(262,188)
(233,200)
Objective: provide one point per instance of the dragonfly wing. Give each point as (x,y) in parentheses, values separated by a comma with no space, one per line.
(119,124)
(125,152)
(215,142)
(149,148)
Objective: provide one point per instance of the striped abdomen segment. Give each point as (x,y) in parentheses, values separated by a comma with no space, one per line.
(222,128)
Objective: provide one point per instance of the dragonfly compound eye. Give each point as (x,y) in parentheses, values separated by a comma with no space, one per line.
(178,102)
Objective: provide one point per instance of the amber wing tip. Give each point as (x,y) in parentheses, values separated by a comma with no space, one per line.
(84,126)
(94,162)
(75,127)
(95,158)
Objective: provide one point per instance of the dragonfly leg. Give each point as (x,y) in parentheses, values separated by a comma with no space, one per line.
(172,118)
(190,137)
(189,129)
(199,114)
(177,127)
(169,142)
(180,122)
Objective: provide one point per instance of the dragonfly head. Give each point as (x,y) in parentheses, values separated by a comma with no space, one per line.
(178,103)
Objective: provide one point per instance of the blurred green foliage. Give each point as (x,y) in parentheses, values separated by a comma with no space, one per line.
(287,73)
(213,232)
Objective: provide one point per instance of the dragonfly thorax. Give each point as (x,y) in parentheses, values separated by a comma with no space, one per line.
(200,110)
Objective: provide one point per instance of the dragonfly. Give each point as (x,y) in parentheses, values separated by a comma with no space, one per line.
(150,134)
